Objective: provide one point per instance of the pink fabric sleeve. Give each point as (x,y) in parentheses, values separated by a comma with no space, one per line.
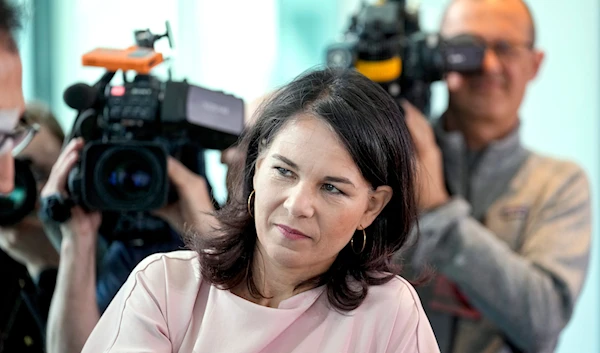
(134,321)
(412,332)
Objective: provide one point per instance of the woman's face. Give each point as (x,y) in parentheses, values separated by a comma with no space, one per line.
(310,197)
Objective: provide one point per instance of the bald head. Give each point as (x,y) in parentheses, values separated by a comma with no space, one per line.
(517,8)
(486,103)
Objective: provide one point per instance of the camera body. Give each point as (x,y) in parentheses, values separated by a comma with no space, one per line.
(384,42)
(131,131)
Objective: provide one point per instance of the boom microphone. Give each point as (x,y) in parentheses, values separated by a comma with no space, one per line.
(80,96)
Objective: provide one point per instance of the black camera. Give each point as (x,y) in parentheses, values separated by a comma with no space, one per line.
(130,129)
(123,164)
(384,42)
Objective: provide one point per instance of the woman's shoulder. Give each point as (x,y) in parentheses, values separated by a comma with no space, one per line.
(179,268)
(177,257)
(397,292)
(400,315)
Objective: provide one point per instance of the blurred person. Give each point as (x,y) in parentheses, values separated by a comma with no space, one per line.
(508,229)
(89,277)
(25,242)
(19,330)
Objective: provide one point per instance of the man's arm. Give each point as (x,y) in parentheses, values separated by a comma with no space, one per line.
(73,312)
(529,294)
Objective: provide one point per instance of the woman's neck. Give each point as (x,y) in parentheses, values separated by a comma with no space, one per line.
(274,282)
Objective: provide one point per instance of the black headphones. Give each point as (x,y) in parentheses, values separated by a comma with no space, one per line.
(21,201)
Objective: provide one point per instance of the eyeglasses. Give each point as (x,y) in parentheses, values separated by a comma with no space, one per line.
(506,49)
(20,136)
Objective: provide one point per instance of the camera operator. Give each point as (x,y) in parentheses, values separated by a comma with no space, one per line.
(25,241)
(74,311)
(507,229)
(114,176)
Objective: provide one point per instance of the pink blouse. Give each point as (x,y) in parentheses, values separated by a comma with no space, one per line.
(165,306)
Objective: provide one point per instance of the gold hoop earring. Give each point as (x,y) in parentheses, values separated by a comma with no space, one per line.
(363,244)
(250,201)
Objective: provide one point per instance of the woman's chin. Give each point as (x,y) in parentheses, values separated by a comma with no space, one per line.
(289,258)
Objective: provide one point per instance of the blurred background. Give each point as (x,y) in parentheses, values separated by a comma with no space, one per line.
(250,47)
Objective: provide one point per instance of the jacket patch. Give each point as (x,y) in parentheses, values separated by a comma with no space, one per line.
(510,213)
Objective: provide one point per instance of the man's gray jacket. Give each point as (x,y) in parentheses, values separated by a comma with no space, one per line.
(511,248)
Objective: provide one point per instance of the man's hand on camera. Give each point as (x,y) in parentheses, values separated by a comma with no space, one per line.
(431,189)
(194,206)
(82,225)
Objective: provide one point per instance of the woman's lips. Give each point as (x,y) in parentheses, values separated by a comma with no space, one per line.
(291,233)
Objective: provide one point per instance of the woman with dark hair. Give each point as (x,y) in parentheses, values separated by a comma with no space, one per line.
(301,259)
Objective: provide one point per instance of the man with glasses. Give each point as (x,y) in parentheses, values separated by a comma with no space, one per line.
(28,259)
(507,229)
(38,138)
(20,333)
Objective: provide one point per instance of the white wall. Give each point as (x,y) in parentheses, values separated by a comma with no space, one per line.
(229,46)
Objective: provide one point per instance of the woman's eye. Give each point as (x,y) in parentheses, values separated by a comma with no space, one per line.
(332,189)
(284,172)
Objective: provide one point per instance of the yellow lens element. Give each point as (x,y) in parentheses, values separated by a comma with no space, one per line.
(380,71)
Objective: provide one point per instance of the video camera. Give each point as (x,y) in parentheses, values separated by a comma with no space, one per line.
(384,42)
(131,129)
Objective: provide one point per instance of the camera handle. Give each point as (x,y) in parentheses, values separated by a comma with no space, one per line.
(55,208)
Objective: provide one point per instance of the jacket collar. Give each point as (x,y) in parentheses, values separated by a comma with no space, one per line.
(475,175)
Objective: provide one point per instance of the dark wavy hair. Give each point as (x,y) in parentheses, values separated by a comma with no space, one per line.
(371,126)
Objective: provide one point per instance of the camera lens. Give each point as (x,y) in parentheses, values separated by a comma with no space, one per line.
(129,176)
